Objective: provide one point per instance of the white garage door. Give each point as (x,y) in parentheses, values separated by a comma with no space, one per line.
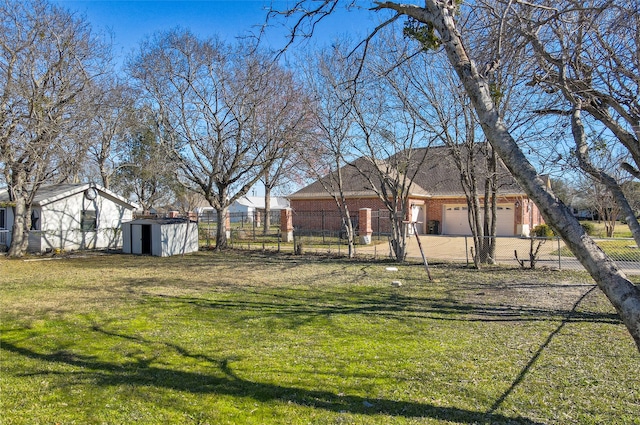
(456,221)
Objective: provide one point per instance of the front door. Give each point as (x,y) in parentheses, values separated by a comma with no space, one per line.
(417,217)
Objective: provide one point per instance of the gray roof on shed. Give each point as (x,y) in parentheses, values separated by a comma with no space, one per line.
(160,221)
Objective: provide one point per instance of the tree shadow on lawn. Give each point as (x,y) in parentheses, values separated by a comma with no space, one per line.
(303,303)
(224,381)
(301,306)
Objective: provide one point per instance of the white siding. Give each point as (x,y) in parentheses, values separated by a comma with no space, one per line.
(178,239)
(60,224)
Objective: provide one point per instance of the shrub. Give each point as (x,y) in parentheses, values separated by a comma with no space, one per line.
(588,227)
(543,231)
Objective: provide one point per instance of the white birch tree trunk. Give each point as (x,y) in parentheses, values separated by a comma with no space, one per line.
(620,291)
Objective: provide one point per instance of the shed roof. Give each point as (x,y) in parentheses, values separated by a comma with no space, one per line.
(160,221)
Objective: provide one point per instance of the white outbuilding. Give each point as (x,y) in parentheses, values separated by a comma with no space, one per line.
(70,217)
(160,237)
(246,208)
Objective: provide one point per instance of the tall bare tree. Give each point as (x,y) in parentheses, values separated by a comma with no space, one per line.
(584,59)
(110,126)
(50,65)
(389,136)
(438,102)
(209,96)
(438,19)
(328,150)
(284,124)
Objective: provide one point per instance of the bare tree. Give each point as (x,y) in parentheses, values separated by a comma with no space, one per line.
(438,18)
(143,169)
(50,65)
(585,59)
(110,126)
(438,102)
(209,96)
(389,137)
(284,125)
(327,152)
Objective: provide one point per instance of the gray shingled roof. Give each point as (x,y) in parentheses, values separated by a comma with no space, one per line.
(437,175)
(49,193)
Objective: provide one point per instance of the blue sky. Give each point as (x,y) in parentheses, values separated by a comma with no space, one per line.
(130,21)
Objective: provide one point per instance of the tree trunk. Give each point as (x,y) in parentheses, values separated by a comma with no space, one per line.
(399,236)
(267,210)
(221,231)
(21,209)
(20,230)
(490,207)
(349,229)
(620,291)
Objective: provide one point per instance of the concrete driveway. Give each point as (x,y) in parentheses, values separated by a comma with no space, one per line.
(459,249)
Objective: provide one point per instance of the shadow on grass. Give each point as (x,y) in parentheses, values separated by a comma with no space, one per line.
(222,380)
(303,306)
(525,370)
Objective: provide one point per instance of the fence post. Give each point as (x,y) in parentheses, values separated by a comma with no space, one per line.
(286,224)
(466,250)
(208,230)
(364,223)
(559,256)
(253,224)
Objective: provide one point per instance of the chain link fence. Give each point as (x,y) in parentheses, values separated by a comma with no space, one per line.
(245,227)
(518,251)
(324,233)
(4,237)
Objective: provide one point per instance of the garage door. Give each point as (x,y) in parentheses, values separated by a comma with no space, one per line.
(456,221)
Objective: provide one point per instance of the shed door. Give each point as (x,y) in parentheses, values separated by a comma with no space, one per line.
(146,239)
(136,237)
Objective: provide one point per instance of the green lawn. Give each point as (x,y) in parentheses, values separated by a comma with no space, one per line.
(621,230)
(240,338)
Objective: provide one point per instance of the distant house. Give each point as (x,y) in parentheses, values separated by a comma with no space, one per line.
(160,237)
(246,208)
(436,198)
(71,217)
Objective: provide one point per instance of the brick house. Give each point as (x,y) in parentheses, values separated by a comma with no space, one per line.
(436,198)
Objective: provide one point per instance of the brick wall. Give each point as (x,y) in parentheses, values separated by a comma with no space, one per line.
(323,214)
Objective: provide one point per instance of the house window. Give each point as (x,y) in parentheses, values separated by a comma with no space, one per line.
(88,222)
(3,223)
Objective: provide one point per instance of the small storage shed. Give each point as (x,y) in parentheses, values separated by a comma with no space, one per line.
(160,237)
